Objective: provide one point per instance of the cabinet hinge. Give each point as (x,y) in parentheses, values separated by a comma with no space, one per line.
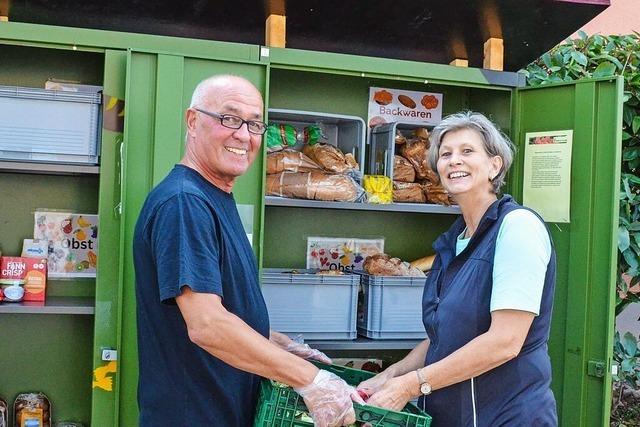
(596,368)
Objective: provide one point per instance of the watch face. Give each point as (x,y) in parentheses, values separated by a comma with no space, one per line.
(425,388)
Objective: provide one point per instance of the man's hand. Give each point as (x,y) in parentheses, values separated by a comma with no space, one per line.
(298,348)
(329,400)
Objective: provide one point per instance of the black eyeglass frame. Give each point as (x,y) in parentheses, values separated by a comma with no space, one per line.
(221,117)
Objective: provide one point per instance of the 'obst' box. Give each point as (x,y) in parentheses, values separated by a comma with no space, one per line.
(23,279)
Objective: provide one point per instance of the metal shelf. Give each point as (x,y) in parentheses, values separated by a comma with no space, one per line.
(48,168)
(362,343)
(53,305)
(392,207)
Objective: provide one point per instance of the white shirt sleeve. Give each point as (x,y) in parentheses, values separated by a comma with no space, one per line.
(523,251)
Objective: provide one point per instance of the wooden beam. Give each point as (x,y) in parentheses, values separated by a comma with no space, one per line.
(4,10)
(276,30)
(494,54)
(459,62)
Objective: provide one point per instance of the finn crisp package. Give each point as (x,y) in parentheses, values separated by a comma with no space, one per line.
(23,279)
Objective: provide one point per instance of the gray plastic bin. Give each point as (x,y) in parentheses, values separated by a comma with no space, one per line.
(317,306)
(382,146)
(345,132)
(390,307)
(39,125)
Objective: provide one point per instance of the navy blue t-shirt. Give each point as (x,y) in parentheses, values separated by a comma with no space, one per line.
(189,233)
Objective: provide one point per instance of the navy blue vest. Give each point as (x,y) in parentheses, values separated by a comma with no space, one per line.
(455,307)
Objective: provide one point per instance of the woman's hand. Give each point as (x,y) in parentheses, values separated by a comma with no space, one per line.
(394,394)
(374,384)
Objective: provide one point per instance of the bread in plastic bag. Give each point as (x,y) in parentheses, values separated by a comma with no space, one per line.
(435,193)
(289,160)
(384,265)
(379,189)
(408,192)
(403,170)
(330,158)
(415,151)
(314,186)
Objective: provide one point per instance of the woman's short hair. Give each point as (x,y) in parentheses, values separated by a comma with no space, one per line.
(495,142)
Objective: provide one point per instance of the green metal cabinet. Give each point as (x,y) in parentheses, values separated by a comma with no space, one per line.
(155,76)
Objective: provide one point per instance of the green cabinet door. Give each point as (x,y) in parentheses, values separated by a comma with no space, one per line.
(158,90)
(581,341)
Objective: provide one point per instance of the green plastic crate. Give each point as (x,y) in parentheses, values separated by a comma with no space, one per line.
(282,407)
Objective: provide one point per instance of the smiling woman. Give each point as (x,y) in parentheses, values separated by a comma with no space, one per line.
(486,332)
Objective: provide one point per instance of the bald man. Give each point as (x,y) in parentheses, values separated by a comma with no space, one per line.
(203,329)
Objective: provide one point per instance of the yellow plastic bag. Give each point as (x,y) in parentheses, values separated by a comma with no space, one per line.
(379,188)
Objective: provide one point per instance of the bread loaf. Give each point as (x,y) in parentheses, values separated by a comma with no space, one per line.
(384,265)
(329,158)
(415,151)
(403,170)
(424,263)
(290,161)
(314,186)
(408,192)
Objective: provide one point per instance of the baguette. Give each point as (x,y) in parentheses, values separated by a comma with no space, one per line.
(424,263)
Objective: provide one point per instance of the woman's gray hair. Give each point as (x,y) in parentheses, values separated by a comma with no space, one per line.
(494,141)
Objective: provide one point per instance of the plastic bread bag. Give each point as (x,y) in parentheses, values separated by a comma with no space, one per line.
(403,170)
(379,189)
(330,158)
(408,192)
(280,136)
(415,151)
(435,193)
(289,160)
(314,186)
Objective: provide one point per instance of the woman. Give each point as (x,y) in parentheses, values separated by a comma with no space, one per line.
(487,301)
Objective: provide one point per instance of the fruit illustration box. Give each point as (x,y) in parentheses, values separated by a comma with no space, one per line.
(340,253)
(73,242)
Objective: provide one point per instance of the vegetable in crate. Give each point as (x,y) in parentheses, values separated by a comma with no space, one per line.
(289,160)
(314,186)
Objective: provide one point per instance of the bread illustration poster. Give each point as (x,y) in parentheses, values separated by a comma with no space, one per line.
(405,106)
(73,243)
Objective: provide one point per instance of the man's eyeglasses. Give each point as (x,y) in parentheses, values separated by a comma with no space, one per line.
(234,122)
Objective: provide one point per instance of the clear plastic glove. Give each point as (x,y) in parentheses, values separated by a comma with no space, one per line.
(306,352)
(373,384)
(329,400)
(298,347)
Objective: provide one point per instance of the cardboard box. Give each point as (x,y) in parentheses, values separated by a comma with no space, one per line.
(23,279)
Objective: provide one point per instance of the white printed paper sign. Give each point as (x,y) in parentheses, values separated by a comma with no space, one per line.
(340,253)
(73,243)
(406,106)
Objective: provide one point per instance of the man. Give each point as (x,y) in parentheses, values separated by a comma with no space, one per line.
(203,328)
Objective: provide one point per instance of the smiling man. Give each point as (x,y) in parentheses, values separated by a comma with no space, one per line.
(203,328)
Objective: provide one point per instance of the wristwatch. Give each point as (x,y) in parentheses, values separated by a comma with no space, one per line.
(425,387)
